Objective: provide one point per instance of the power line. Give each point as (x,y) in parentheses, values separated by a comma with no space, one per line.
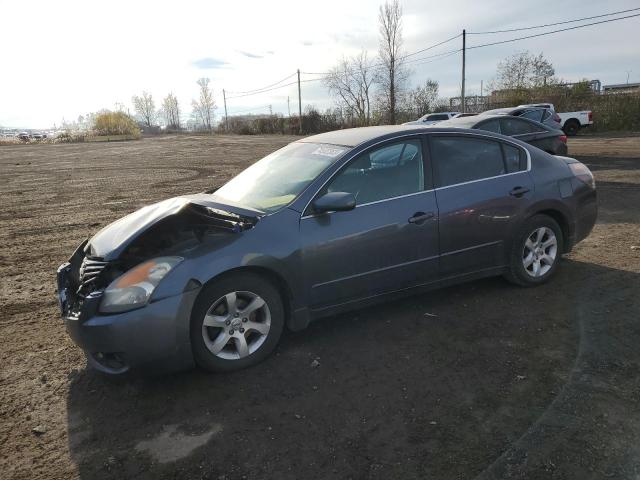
(442,55)
(262,91)
(432,46)
(554,24)
(553,31)
(380,64)
(274,88)
(268,86)
(446,55)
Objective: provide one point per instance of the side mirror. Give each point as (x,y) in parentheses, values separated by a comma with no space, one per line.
(335,202)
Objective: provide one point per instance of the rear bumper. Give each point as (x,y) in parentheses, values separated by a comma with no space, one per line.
(154,337)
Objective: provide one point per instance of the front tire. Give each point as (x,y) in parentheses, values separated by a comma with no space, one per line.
(236,322)
(535,252)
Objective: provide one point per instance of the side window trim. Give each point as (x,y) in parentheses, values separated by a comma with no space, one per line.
(307,211)
(436,179)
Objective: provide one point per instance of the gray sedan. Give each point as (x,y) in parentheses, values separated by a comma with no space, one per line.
(326,224)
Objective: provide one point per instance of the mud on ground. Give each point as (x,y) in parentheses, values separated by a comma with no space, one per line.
(483,380)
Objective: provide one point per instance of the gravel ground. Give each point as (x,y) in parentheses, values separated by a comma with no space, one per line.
(483,380)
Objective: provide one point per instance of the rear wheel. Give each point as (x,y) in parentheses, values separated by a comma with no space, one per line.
(571,127)
(536,252)
(236,322)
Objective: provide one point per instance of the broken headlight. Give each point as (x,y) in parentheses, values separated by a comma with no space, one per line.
(134,288)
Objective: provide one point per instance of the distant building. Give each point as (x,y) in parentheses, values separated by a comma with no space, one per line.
(621,88)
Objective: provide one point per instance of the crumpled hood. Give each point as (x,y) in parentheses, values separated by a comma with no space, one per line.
(113,239)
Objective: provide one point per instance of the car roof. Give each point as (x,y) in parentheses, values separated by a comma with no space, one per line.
(467,122)
(352,137)
(508,110)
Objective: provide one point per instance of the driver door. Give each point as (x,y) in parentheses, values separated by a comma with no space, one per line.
(388,242)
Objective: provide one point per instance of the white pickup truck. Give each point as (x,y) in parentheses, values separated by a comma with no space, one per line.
(571,122)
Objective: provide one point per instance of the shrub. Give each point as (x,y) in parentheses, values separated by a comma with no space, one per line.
(115,123)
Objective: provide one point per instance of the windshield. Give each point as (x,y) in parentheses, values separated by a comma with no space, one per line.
(273,182)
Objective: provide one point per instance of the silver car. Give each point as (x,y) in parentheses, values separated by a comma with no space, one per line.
(431,118)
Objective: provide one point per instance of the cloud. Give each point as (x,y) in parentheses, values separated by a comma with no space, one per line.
(250,55)
(208,63)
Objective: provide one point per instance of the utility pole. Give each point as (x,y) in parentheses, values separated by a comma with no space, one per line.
(481,90)
(299,102)
(226,118)
(464,48)
(288,106)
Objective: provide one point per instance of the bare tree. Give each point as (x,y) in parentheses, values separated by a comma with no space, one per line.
(145,108)
(524,70)
(351,82)
(171,111)
(424,98)
(393,74)
(205,105)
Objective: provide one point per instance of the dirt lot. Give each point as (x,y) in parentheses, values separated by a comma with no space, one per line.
(483,380)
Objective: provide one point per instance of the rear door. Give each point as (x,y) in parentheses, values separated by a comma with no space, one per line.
(388,242)
(483,188)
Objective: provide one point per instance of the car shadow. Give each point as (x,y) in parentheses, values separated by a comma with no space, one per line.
(443,384)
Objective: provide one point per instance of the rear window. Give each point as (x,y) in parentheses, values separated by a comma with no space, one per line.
(516,126)
(514,158)
(438,116)
(461,159)
(532,115)
(490,126)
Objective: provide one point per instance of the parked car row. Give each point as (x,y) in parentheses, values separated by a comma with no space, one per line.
(569,122)
(25,135)
(546,138)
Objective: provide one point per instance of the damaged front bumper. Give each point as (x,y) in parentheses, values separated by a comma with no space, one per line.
(154,337)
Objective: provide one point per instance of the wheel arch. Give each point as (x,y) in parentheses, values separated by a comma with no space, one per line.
(562,219)
(286,294)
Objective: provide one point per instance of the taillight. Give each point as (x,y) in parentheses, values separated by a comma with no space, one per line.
(563,138)
(591,116)
(582,173)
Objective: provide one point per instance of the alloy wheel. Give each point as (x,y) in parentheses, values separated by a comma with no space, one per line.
(540,252)
(236,325)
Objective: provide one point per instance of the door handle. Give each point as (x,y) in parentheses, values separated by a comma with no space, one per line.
(421,217)
(518,191)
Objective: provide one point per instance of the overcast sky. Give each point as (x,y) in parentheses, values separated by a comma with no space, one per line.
(66,58)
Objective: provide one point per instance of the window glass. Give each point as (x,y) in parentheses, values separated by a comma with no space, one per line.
(514,158)
(532,115)
(438,116)
(384,172)
(490,126)
(515,126)
(547,114)
(463,159)
(278,178)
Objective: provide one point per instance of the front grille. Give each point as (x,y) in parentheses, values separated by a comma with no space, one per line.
(89,274)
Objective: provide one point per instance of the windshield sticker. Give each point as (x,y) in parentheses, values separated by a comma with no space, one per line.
(328,151)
